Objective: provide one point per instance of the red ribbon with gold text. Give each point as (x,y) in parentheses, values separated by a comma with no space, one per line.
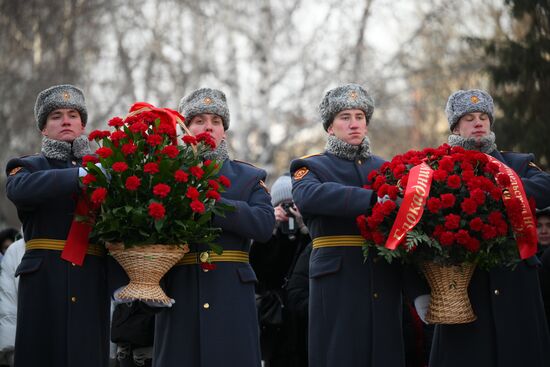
(412,207)
(526,233)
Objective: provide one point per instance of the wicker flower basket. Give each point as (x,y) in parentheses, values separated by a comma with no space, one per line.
(449,302)
(145,266)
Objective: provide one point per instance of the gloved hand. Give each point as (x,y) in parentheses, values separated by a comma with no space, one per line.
(82,172)
(383,199)
(421,304)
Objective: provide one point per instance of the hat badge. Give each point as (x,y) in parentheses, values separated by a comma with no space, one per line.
(66,96)
(207,101)
(353,95)
(474,99)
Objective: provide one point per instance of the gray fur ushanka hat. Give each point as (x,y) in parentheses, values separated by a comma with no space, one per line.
(205,100)
(345,97)
(59,96)
(462,102)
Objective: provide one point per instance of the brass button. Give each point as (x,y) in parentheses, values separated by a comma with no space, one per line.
(359,161)
(73,264)
(206,306)
(375,295)
(73,299)
(497,292)
(74,163)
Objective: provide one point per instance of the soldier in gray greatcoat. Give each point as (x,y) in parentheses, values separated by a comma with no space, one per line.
(355,305)
(511,328)
(63,309)
(214,321)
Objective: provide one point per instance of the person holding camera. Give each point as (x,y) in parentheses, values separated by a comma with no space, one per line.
(281,338)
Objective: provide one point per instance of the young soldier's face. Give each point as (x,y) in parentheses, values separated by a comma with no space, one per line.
(473,125)
(543,230)
(349,126)
(210,123)
(63,124)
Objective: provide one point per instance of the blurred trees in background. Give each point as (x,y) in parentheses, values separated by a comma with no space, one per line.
(274,60)
(519,67)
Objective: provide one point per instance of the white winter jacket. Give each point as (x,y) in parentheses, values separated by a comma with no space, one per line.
(8,294)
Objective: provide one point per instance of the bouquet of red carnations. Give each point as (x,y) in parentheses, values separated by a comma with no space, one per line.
(458,208)
(148,196)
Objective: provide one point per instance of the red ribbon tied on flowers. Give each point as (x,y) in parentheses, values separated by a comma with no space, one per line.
(526,231)
(172,116)
(412,207)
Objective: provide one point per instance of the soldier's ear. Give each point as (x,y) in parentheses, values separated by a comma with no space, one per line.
(330,130)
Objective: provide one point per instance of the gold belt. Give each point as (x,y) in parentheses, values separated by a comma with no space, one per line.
(227,255)
(338,241)
(59,245)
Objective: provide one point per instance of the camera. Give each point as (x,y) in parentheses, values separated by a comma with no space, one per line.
(290,226)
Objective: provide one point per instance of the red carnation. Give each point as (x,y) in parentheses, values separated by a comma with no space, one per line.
(181,176)
(452,221)
(478,196)
(161,190)
(213,184)
(434,205)
(447,164)
(118,135)
(197,206)
(196,171)
(132,183)
(154,140)
(488,232)
(156,210)
(96,135)
(440,175)
(129,148)
(115,122)
(387,207)
(454,181)
(138,127)
(447,200)
(88,179)
(213,194)
(392,192)
(207,139)
(151,168)
(446,238)
(120,166)
(104,152)
(225,181)
(170,151)
(90,159)
(98,196)
(469,206)
(476,224)
(192,193)
(189,139)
